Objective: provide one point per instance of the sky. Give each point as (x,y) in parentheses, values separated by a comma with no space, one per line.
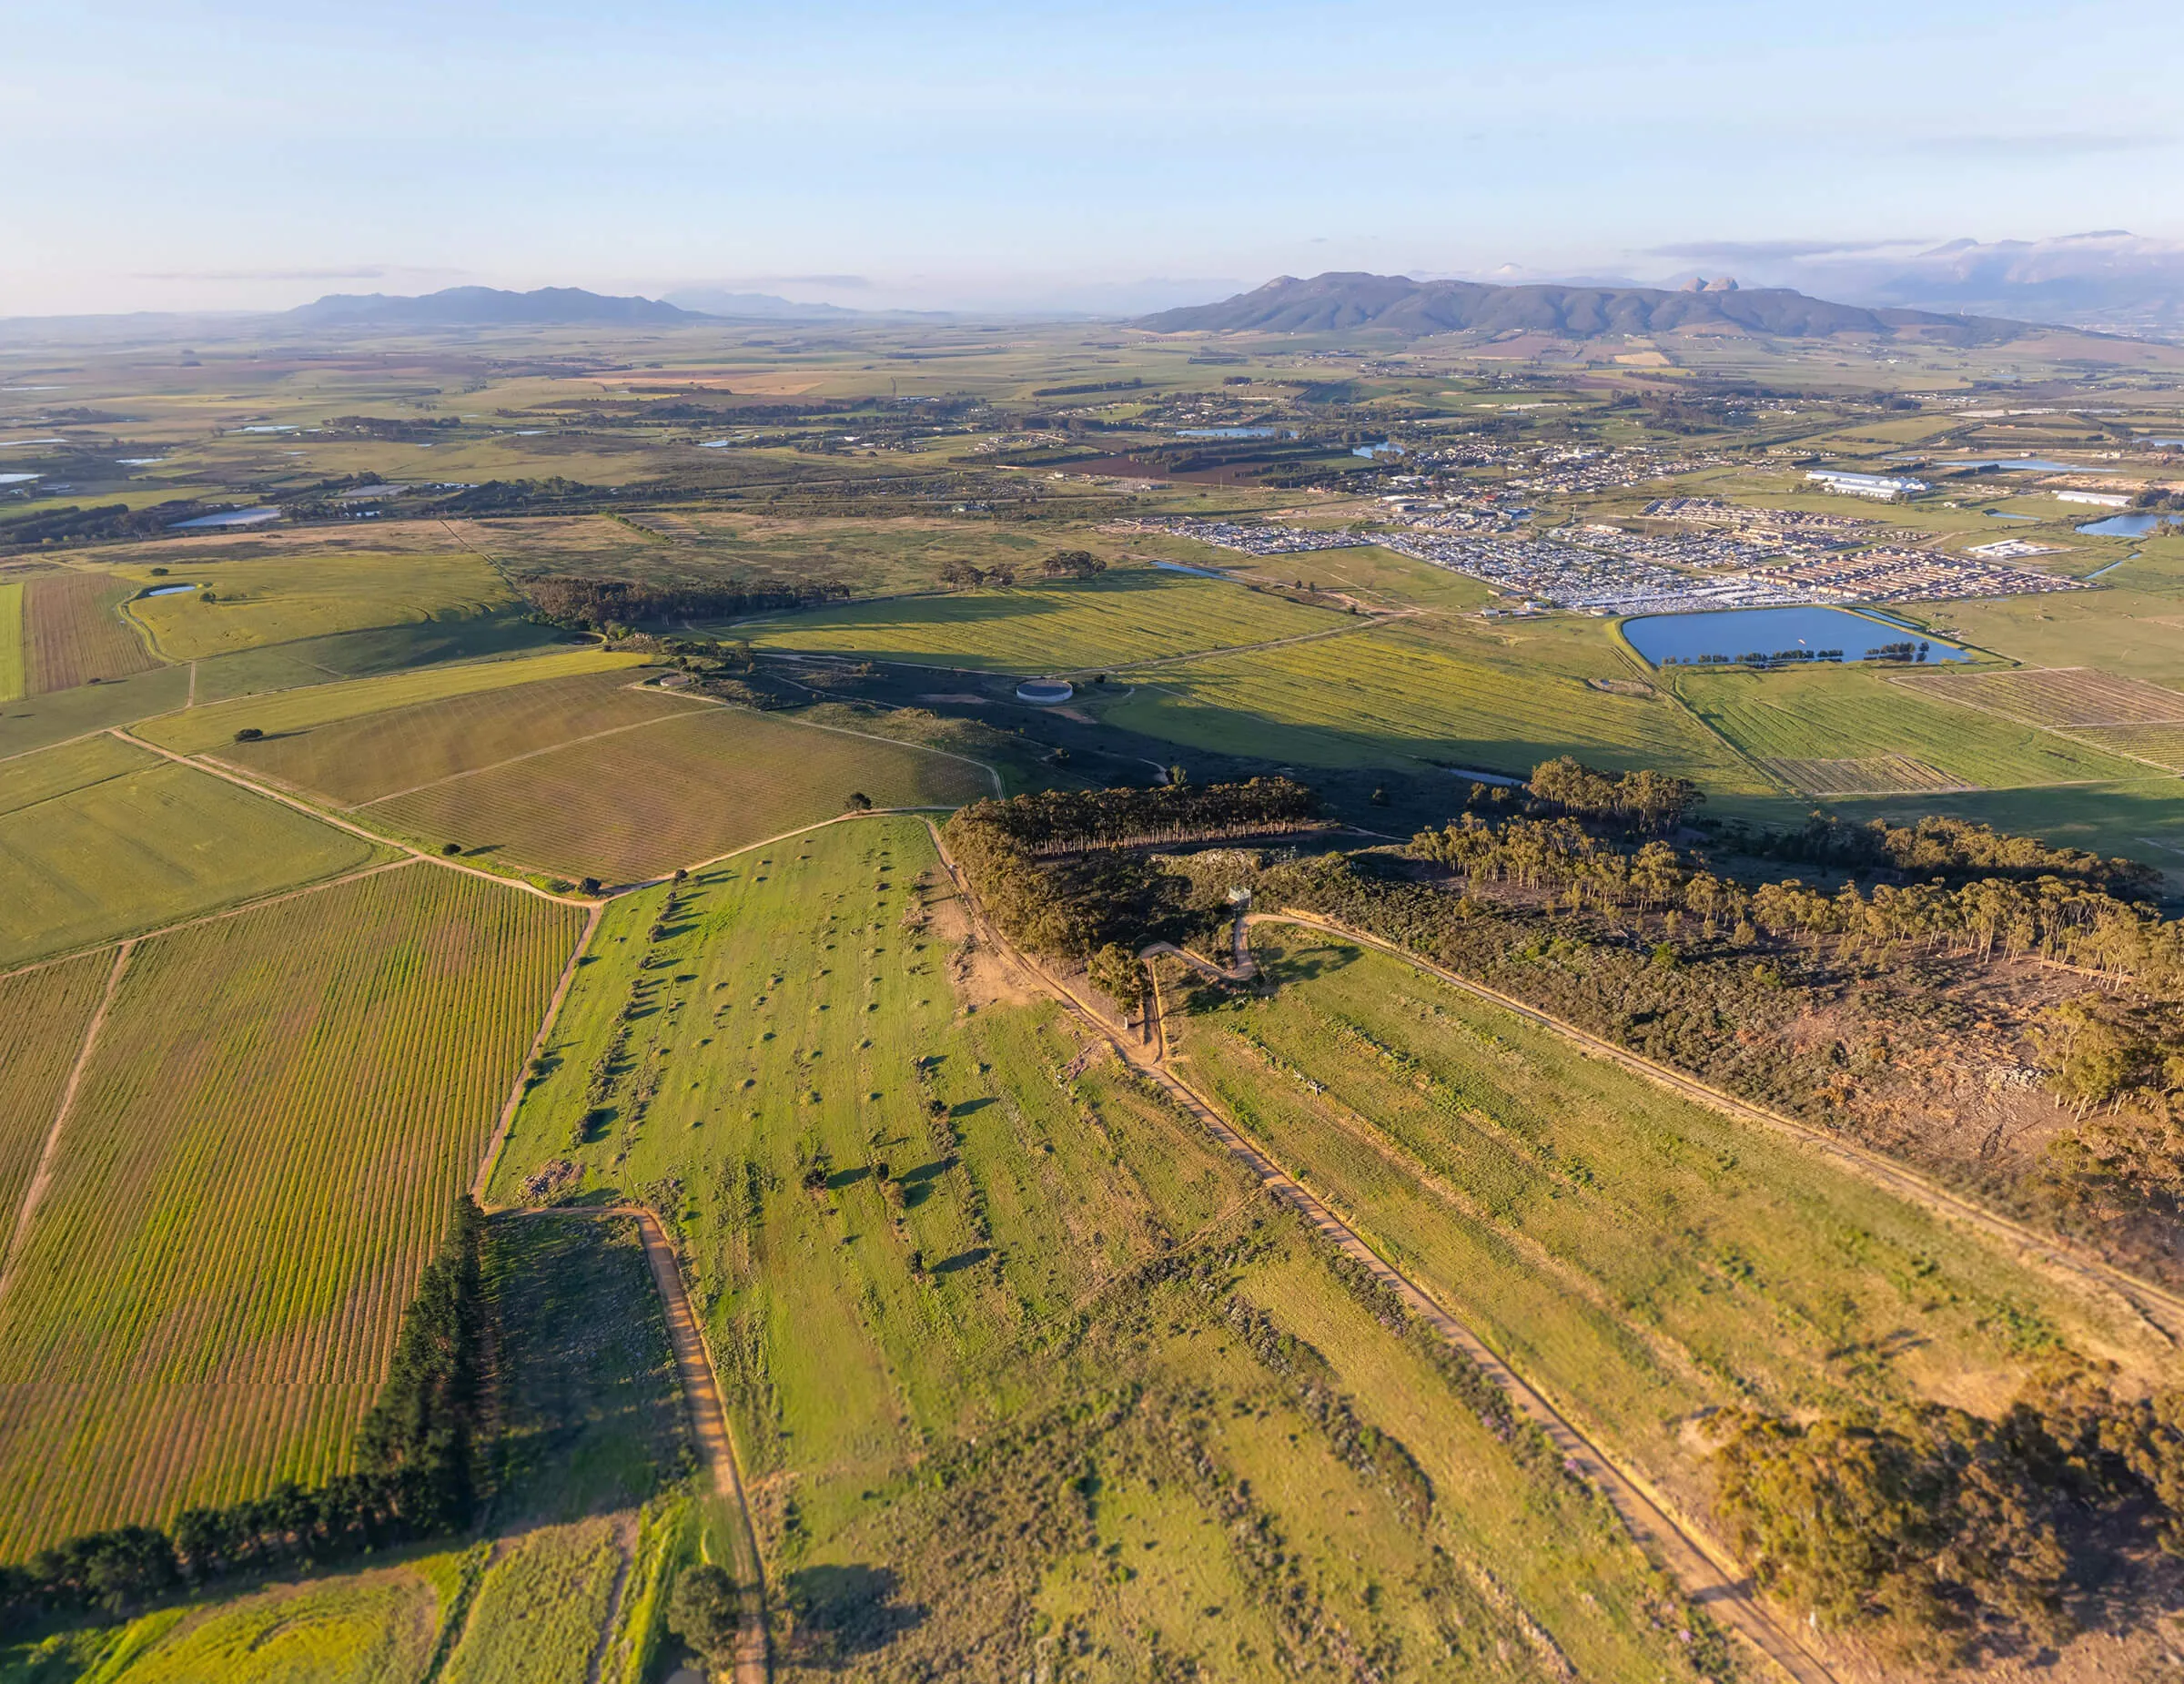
(1043,154)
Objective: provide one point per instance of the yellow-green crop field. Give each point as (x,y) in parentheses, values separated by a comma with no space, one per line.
(199,728)
(1644,1259)
(74,632)
(1848,713)
(693,785)
(1390,695)
(253,602)
(277,1113)
(542,1608)
(11,640)
(101,838)
(372,756)
(1136,613)
(1018,1362)
(43,1014)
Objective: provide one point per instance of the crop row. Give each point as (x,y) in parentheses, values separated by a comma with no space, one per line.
(74,632)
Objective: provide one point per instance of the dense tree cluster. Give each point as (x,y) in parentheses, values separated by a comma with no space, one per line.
(1942,846)
(596,604)
(1643,801)
(1944,1528)
(1051,869)
(416,1478)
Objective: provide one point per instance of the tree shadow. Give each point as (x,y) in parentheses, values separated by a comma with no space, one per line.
(840,1613)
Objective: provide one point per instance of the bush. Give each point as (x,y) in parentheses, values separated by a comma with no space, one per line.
(703,1612)
(249,733)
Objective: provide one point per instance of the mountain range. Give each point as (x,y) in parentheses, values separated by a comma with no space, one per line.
(1336,303)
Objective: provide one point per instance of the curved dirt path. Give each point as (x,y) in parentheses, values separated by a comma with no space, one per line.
(1709,1580)
(2052,1256)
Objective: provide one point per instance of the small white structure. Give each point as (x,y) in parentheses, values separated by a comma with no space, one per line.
(2100,499)
(1045,691)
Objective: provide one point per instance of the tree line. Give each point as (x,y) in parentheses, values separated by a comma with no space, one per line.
(594,604)
(417,1476)
(111,520)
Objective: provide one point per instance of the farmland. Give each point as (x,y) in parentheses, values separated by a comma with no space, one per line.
(243,604)
(43,1015)
(367,758)
(646,800)
(214,725)
(11,640)
(2056,699)
(926,1242)
(1129,615)
(100,839)
(258,1238)
(1391,695)
(39,721)
(1842,713)
(73,630)
(1643,1258)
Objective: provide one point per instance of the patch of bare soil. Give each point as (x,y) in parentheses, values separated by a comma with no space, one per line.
(983,977)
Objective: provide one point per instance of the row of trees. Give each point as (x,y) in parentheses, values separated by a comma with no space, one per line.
(1074,821)
(1061,564)
(1940,1528)
(417,1479)
(112,519)
(1641,800)
(1938,845)
(595,604)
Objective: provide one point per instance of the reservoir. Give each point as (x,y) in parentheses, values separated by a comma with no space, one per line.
(169,589)
(1178,567)
(1737,633)
(2025,464)
(227,517)
(1228,432)
(2127,525)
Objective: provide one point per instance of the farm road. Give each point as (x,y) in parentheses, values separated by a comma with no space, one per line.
(2052,1256)
(1708,1579)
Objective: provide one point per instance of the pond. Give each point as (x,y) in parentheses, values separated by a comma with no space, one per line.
(227,517)
(1231,433)
(2024,464)
(1384,448)
(1178,567)
(17,479)
(169,589)
(2000,514)
(2128,525)
(1772,634)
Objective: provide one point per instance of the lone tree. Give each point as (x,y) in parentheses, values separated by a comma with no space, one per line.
(249,733)
(859,802)
(702,1612)
(1118,973)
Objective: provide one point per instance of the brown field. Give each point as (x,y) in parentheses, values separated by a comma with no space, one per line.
(356,762)
(2160,745)
(278,1114)
(2055,697)
(73,633)
(1880,775)
(43,1014)
(641,802)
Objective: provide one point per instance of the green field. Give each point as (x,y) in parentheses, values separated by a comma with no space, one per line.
(43,1015)
(977,1299)
(539,1612)
(1840,714)
(73,632)
(11,640)
(214,725)
(353,761)
(640,803)
(38,721)
(279,601)
(369,653)
(100,839)
(1641,1258)
(277,1116)
(1460,698)
(1128,615)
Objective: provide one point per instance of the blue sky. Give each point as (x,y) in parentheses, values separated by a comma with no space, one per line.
(218,155)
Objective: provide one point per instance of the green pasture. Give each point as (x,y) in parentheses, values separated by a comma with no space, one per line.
(1847,713)
(927,1241)
(1127,615)
(37,722)
(1643,1258)
(370,653)
(244,605)
(99,839)
(11,640)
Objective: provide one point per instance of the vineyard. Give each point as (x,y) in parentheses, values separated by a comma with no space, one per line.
(1645,1258)
(11,641)
(1133,615)
(358,761)
(244,605)
(641,802)
(1383,697)
(1845,715)
(73,630)
(279,1112)
(1883,775)
(2058,698)
(2159,744)
(960,1265)
(43,1015)
(214,726)
(99,838)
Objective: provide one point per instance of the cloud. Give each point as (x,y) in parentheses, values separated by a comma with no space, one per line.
(2039,147)
(365,272)
(1773,250)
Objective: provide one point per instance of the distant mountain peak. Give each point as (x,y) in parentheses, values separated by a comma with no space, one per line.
(454,307)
